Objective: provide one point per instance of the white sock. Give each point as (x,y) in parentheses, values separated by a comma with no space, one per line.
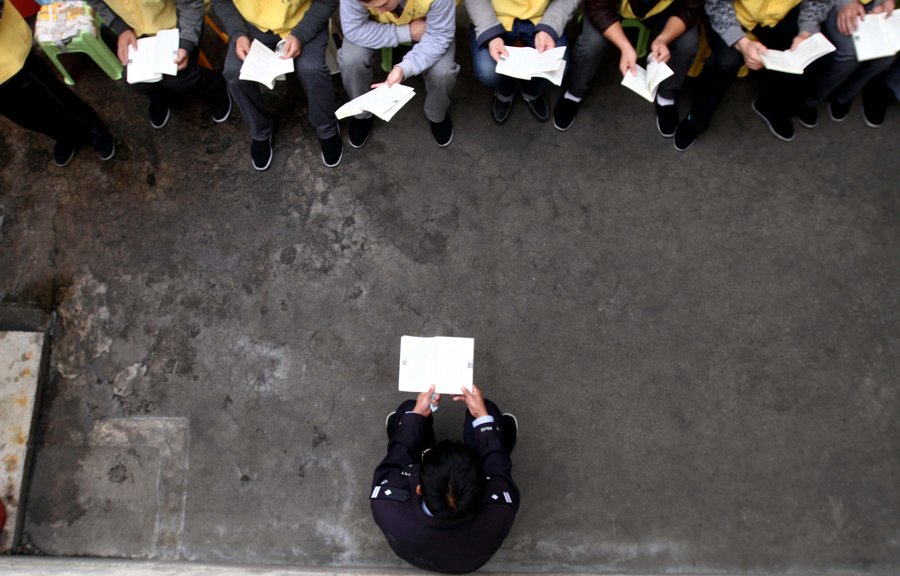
(569,96)
(664,101)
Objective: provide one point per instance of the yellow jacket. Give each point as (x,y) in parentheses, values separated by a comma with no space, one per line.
(279,16)
(751,13)
(15,42)
(509,10)
(413,10)
(146,17)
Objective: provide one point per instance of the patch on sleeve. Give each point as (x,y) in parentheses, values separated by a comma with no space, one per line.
(498,497)
(389,493)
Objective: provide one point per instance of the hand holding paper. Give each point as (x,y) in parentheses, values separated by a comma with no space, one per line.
(384,102)
(527,63)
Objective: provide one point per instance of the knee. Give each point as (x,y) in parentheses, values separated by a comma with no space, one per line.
(728,61)
(444,72)
(311,67)
(352,60)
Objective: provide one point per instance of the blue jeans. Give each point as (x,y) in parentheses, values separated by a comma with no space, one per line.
(505,86)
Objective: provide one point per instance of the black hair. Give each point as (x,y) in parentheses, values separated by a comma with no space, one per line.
(452,481)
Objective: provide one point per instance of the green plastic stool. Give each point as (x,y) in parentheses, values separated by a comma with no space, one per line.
(643,39)
(89,44)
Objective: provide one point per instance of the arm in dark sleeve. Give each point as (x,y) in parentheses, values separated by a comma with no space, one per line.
(602,13)
(231,18)
(315,20)
(405,446)
(494,458)
(190,22)
(689,11)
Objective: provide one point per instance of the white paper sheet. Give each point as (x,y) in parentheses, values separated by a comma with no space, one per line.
(263,66)
(383,102)
(444,361)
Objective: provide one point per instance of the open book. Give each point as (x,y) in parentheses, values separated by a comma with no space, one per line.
(527,63)
(795,61)
(443,361)
(383,102)
(877,36)
(647,82)
(155,56)
(263,66)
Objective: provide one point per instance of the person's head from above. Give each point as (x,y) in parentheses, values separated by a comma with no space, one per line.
(380,6)
(451,481)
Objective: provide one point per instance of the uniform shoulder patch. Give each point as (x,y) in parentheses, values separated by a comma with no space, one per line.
(389,493)
(498,497)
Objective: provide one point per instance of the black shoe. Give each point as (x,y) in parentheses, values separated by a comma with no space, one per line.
(876,98)
(390,423)
(666,120)
(63,152)
(539,108)
(442,131)
(332,150)
(500,109)
(105,147)
(564,113)
(838,110)
(359,131)
(159,114)
(509,430)
(780,126)
(686,134)
(222,107)
(808,116)
(261,153)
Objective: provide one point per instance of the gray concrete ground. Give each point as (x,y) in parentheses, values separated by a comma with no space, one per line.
(702,348)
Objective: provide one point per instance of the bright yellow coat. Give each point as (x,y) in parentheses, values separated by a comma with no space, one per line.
(146,17)
(276,15)
(413,10)
(15,42)
(751,13)
(509,10)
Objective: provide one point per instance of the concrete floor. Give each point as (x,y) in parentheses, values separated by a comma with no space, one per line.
(702,348)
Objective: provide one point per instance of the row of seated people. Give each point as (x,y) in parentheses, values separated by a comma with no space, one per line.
(738,32)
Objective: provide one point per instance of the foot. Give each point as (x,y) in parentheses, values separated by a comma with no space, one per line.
(779,125)
(63,152)
(686,134)
(838,110)
(666,120)
(359,131)
(105,146)
(539,108)
(509,427)
(261,153)
(808,116)
(442,131)
(222,107)
(500,109)
(332,150)
(390,423)
(564,113)
(876,98)
(159,114)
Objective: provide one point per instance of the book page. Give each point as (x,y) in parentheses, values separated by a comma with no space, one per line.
(167,51)
(142,62)
(524,63)
(795,61)
(263,66)
(657,73)
(872,38)
(446,362)
(383,102)
(638,83)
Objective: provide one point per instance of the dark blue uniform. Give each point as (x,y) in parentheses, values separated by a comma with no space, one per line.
(426,542)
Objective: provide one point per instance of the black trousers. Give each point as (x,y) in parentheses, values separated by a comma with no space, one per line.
(37,100)
(194,80)
(778,91)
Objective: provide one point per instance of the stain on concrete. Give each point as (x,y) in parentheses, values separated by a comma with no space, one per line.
(118,474)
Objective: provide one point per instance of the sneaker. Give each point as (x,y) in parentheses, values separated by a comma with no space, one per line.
(564,113)
(442,131)
(509,427)
(780,126)
(222,107)
(838,110)
(500,109)
(359,131)
(876,97)
(105,147)
(666,120)
(63,152)
(539,108)
(159,114)
(387,423)
(686,134)
(332,150)
(261,153)
(808,116)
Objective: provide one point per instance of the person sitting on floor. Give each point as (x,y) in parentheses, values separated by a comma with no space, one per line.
(303,25)
(537,24)
(372,24)
(133,19)
(33,97)
(673,24)
(739,32)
